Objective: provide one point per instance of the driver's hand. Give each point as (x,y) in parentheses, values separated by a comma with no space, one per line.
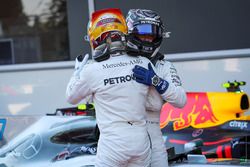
(80,61)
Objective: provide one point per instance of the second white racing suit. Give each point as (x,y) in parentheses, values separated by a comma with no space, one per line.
(120,110)
(175,95)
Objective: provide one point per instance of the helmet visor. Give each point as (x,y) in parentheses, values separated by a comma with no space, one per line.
(148,29)
(147,32)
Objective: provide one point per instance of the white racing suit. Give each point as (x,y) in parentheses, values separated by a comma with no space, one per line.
(175,95)
(120,110)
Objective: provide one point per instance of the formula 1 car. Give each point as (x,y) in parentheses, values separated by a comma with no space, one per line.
(51,140)
(214,121)
(211,127)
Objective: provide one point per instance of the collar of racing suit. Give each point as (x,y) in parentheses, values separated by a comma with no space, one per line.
(157,57)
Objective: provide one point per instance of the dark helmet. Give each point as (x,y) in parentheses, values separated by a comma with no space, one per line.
(145,32)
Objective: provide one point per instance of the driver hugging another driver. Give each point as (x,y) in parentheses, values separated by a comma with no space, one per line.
(128,81)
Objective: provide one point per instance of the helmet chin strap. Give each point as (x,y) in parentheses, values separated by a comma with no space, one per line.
(155,52)
(132,49)
(101,55)
(131,45)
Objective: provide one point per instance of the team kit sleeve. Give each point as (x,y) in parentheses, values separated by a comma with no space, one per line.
(175,94)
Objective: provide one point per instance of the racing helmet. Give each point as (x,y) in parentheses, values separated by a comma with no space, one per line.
(145,32)
(106,32)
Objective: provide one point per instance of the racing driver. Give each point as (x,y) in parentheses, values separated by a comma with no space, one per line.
(119,100)
(145,33)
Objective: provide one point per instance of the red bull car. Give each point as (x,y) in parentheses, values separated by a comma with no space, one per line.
(216,120)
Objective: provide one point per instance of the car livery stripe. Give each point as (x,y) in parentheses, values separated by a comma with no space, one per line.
(228,151)
(219,152)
